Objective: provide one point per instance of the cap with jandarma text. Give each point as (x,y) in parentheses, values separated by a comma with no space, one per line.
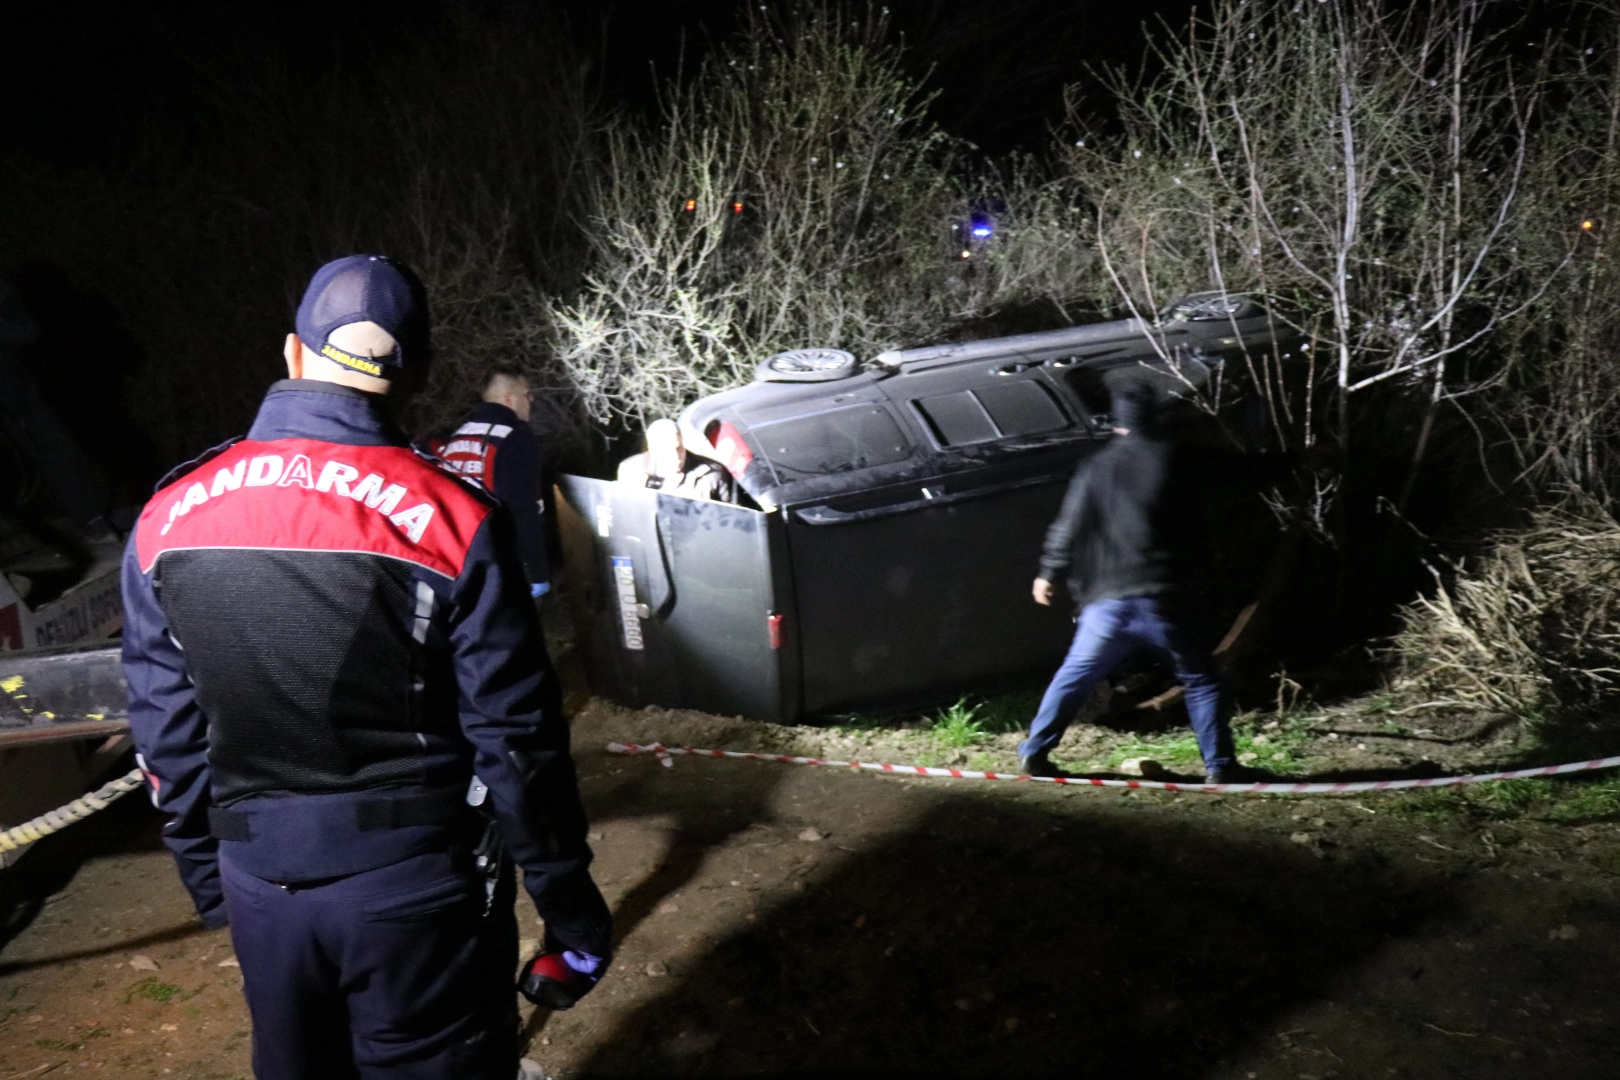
(366,288)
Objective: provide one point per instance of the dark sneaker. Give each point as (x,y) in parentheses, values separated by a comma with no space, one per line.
(1037,765)
(1231,774)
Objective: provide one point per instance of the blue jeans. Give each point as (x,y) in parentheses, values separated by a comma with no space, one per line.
(1109,632)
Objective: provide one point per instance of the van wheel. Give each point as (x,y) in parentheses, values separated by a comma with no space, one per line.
(806,365)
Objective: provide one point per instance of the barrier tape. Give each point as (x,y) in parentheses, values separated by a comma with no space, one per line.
(77,810)
(666,754)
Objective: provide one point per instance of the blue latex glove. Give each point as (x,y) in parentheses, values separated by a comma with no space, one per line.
(585,964)
(539,589)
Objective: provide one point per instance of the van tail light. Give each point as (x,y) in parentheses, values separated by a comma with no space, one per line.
(774,623)
(729,445)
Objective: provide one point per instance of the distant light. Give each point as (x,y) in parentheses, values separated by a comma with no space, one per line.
(967,254)
(691,205)
(981,230)
(1588,224)
(736,208)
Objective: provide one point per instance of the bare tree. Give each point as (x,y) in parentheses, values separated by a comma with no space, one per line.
(1562,412)
(1359,165)
(793,194)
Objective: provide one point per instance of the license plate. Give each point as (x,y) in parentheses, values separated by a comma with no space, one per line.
(624,580)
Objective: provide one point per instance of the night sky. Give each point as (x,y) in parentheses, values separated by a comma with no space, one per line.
(132,102)
(82,79)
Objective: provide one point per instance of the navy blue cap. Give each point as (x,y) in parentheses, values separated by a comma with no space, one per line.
(366,288)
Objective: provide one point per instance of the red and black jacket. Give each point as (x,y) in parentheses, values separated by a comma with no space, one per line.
(498,450)
(326,635)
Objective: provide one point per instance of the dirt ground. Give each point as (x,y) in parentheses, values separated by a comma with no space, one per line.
(785,920)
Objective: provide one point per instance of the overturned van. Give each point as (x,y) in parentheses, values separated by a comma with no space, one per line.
(900,512)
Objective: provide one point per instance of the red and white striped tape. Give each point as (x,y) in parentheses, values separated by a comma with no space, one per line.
(666,754)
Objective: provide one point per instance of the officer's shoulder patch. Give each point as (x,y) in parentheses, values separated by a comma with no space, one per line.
(197,462)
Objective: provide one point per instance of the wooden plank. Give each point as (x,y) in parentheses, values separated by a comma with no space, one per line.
(40,734)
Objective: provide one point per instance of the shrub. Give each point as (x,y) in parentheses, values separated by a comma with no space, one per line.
(1531,627)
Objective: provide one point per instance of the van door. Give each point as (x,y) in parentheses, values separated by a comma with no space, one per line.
(911,589)
(674,600)
(904,602)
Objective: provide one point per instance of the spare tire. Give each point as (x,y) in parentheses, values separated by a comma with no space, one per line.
(806,365)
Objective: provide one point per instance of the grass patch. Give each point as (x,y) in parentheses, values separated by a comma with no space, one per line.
(970,721)
(152,988)
(958,727)
(1278,742)
(1174,749)
(1011,711)
(1568,802)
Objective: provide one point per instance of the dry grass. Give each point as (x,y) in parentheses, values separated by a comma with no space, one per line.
(1531,627)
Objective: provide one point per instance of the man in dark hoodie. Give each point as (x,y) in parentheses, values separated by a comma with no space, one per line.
(1126,539)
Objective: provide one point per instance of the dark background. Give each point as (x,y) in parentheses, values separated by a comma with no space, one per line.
(82,79)
(197,144)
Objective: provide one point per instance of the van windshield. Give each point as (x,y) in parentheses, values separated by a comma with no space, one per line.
(836,441)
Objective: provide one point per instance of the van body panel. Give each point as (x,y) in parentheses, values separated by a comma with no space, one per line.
(672,598)
(906,607)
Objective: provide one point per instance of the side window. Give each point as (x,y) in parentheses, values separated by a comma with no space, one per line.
(1000,411)
(836,441)
(956,419)
(1092,390)
(1024,407)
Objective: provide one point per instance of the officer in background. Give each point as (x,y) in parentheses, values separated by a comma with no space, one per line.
(1127,539)
(341,698)
(496,447)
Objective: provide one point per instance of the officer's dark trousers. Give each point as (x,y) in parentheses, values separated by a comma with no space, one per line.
(391,973)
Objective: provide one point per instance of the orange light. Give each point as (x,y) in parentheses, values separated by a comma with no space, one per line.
(736,208)
(691,205)
(1588,224)
(967,254)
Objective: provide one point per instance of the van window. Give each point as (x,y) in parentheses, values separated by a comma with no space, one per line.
(1000,411)
(839,440)
(1089,385)
(956,419)
(1024,407)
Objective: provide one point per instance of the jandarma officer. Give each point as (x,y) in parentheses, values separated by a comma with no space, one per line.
(495,447)
(341,697)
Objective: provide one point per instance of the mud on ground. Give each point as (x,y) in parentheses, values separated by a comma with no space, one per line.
(813,921)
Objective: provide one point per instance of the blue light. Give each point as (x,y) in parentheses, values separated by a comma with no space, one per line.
(981,230)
